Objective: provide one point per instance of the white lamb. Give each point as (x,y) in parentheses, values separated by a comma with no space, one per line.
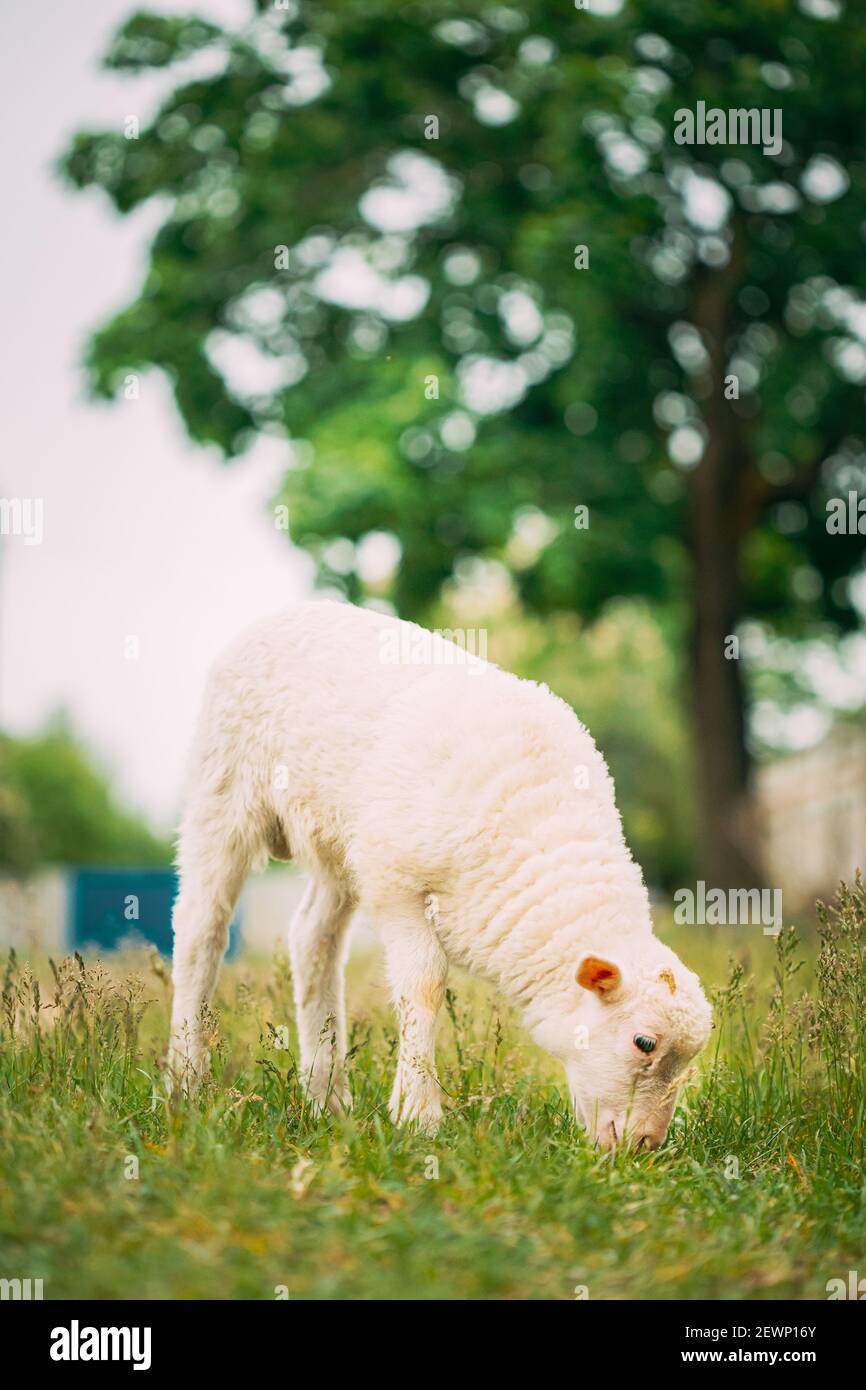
(471,816)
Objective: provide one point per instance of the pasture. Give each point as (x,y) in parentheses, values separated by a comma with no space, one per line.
(110,1190)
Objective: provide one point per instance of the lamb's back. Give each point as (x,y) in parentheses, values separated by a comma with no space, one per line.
(296,700)
(473,761)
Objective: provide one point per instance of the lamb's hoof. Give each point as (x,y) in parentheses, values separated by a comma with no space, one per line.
(426,1122)
(340,1101)
(420,1110)
(184,1071)
(334,1096)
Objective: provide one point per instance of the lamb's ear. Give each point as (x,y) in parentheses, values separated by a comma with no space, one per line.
(603,977)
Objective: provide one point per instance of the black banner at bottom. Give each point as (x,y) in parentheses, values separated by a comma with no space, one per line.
(62,1339)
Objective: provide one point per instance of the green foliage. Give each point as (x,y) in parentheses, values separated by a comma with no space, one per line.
(57,807)
(575,146)
(243,1189)
(155,41)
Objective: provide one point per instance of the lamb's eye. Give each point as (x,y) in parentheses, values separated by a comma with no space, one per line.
(643,1043)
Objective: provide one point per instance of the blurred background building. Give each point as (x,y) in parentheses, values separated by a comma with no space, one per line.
(59,910)
(812,809)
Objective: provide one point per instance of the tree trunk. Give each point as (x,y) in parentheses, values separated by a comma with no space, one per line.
(729,855)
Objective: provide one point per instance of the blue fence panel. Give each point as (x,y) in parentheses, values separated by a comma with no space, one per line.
(112,906)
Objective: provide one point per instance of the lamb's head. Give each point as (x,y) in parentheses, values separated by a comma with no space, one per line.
(640,1021)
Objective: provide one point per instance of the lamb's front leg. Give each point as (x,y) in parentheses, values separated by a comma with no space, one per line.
(417,969)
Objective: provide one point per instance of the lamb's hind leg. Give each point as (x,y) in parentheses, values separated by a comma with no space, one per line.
(212,871)
(317,948)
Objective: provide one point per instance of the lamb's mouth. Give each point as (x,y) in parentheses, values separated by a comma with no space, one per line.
(598,1132)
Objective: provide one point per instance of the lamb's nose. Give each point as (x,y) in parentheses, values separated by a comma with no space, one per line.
(650,1141)
(607,1136)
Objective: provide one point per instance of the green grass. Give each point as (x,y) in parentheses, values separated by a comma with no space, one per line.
(243,1190)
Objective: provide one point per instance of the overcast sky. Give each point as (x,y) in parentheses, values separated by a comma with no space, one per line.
(144,535)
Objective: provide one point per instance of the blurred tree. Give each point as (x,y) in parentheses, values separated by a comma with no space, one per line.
(459,250)
(56,808)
